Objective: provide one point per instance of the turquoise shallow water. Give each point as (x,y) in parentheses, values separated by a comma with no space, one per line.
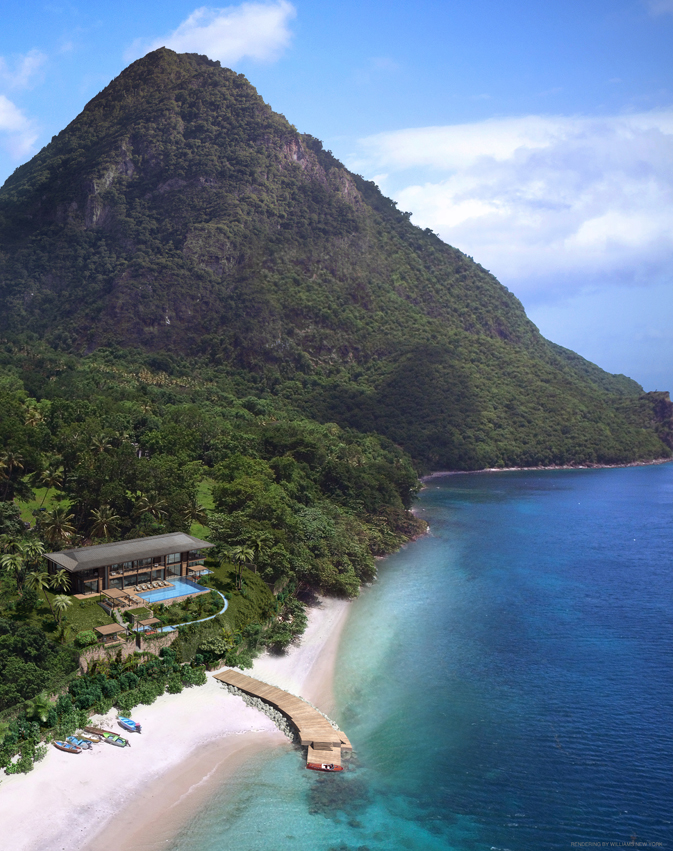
(507,682)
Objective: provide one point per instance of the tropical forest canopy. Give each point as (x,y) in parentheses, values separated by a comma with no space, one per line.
(179,216)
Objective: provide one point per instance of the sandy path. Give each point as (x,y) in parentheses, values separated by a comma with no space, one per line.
(191,742)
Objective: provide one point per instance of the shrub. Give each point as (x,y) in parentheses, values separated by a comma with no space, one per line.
(85,638)
(67,725)
(212,648)
(111,688)
(101,707)
(128,681)
(150,691)
(26,759)
(193,676)
(174,685)
(86,697)
(127,701)
(279,636)
(63,705)
(27,603)
(244,660)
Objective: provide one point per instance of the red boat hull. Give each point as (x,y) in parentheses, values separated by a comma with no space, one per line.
(317,766)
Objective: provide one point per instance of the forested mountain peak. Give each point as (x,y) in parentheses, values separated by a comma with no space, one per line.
(178,213)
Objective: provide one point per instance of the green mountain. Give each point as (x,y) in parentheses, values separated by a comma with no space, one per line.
(180,217)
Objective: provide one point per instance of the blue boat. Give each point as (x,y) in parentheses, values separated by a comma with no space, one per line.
(130,725)
(79,743)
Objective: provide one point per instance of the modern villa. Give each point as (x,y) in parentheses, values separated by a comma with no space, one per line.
(127,564)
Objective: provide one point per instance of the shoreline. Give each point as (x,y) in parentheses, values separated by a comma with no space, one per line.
(439,473)
(139,798)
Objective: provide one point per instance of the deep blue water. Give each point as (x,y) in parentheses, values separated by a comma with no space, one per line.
(507,682)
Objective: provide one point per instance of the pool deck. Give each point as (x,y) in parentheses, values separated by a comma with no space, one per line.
(325,744)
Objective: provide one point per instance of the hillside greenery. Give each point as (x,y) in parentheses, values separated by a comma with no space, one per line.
(105,448)
(179,215)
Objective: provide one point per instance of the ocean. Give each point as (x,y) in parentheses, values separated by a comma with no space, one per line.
(507,682)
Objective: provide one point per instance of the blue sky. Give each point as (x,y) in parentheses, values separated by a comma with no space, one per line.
(536,137)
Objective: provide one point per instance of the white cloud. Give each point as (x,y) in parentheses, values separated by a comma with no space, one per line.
(22,72)
(19,133)
(548,203)
(19,130)
(257,31)
(660,7)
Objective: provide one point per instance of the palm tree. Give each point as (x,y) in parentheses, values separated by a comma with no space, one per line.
(40,581)
(260,542)
(33,416)
(100,443)
(27,553)
(38,708)
(51,477)
(10,461)
(14,563)
(240,555)
(64,631)
(61,579)
(105,521)
(56,526)
(194,513)
(150,506)
(61,603)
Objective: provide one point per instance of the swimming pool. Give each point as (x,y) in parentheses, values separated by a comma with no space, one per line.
(181,587)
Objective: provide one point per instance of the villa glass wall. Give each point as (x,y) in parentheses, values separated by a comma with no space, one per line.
(173,566)
(88,581)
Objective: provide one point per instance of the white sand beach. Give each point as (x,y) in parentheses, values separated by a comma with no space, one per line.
(136,798)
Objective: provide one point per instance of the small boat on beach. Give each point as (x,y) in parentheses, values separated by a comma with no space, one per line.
(109,737)
(323,766)
(130,725)
(90,737)
(80,743)
(67,747)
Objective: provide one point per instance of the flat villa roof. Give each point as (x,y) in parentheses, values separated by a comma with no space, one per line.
(114,593)
(87,558)
(109,629)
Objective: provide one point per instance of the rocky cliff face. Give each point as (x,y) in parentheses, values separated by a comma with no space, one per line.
(179,213)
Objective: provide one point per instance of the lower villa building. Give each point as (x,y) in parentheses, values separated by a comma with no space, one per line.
(127,564)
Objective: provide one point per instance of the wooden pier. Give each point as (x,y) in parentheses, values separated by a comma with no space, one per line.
(325,744)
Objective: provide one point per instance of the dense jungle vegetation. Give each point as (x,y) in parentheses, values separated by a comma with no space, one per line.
(106,448)
(178,214)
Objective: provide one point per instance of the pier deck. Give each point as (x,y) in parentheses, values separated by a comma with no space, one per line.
(325,744)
